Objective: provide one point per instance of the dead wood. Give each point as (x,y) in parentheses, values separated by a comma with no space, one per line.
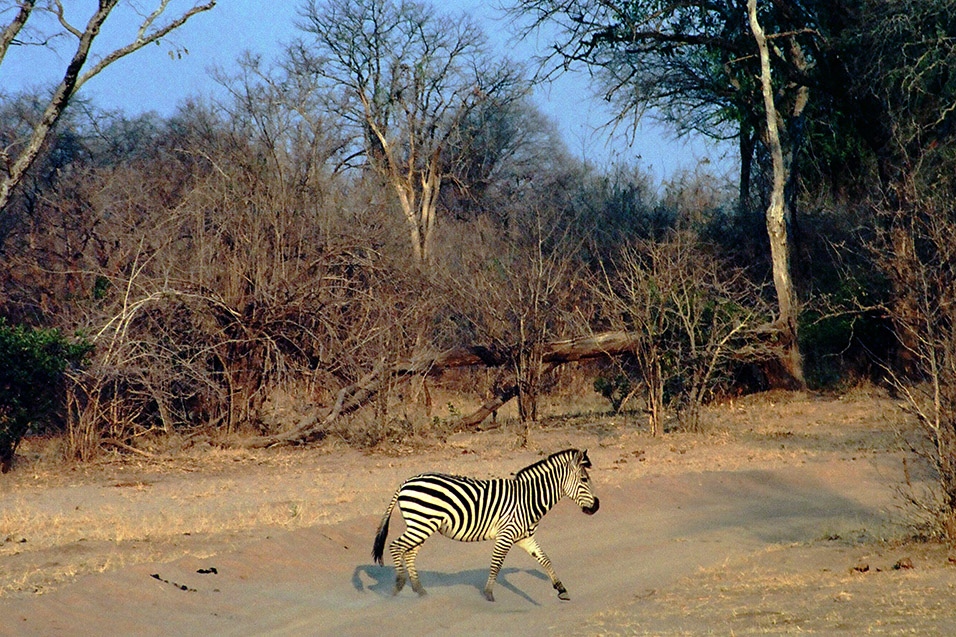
(315,425)
(491,406)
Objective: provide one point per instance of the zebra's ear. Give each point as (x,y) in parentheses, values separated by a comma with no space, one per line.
(585,461)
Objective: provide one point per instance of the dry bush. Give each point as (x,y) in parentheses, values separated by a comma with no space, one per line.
(917,251)
(211,322)
(916,245)
(514,294)
(694,315)
(220,265)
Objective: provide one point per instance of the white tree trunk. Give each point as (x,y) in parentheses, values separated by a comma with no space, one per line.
(777,212)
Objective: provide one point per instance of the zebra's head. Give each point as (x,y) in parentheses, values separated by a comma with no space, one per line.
(577,483)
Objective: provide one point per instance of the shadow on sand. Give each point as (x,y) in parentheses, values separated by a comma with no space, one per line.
(383,579)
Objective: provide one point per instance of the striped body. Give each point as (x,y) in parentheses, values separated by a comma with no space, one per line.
(461,508)
(506,510)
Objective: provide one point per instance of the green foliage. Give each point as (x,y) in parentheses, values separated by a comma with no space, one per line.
(839,346)
(843,327)
(614,388)
(823,339)
(453,412)
(101,287)
(32,362)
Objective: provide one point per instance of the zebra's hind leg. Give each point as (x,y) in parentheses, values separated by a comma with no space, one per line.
(398,558)
(404,549)
(412,571)
(530,545)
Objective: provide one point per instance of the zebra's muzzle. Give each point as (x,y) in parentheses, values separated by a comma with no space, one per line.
(591,510)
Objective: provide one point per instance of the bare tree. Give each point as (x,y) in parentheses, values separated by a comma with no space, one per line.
(906,64)
(78,71)
(505,148)
(407,80)
(917,252)
(516,295)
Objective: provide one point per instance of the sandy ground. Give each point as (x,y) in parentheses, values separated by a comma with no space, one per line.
(783,518)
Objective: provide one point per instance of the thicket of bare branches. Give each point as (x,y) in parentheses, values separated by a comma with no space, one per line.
(222,262)
(695,316)
(241,266)
(922,269)
(517,293)
(251,256)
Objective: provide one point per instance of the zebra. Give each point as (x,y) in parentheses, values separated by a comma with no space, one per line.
(506,510)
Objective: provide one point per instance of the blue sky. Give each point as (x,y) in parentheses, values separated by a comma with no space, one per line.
(156,79)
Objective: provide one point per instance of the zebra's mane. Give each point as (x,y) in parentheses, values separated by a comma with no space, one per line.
(554,458)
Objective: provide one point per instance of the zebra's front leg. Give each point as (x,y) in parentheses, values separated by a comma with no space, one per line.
(503,544)
(530,545)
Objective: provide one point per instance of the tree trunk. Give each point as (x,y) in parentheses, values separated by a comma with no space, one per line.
(408,202)
(72,78)
(10,33)
(61,97)
(748,141)
(489,408)
(777,216)
(431,187)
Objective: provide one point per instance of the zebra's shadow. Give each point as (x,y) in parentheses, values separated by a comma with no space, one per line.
(383,579)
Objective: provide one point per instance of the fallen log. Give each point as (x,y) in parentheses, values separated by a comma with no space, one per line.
(587,347)
(314,425)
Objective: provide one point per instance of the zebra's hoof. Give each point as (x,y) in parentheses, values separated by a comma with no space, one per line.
(563,595)
(489,596)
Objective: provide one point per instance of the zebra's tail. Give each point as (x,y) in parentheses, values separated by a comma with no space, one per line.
(378,549)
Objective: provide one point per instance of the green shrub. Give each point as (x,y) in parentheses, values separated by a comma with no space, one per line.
(32,362)
(615,389)
(845,331)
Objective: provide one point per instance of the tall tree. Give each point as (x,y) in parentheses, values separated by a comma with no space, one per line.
(406,80)
(503,146)
(79,70)
(696,63)
(777,208)
(902,69)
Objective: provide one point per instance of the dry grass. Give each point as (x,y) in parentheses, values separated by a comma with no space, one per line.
(817,589)
(55,525)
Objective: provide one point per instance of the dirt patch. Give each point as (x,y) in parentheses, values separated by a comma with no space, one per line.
(753,527)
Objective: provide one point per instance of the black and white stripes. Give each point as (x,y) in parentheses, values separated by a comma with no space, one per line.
(506,510)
